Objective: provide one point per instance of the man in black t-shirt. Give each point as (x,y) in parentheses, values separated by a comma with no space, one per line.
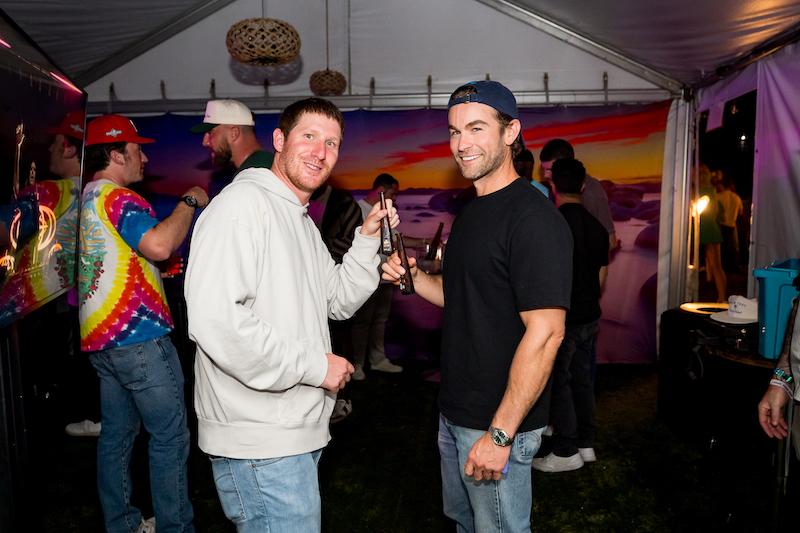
(594,197)
(505,287)
(572,401)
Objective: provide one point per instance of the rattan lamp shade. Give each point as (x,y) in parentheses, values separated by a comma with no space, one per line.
(263,41)
(327,83)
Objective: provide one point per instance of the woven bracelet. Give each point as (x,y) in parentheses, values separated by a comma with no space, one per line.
(783,385)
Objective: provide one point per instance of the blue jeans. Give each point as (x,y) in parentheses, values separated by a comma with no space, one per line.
(143,383)
(278,495)
(572,396)
(486,506)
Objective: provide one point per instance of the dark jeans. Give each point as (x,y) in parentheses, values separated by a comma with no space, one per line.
(572,400)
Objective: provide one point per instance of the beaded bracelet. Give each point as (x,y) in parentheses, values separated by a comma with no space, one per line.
(783,376)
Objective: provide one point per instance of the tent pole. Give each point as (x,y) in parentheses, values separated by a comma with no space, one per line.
(582,42)
(195,13)
(377,100)
(674,230)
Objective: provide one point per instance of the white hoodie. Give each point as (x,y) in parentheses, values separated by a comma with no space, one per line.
(260,286)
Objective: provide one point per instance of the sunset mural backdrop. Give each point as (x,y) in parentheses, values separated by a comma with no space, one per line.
(622,146)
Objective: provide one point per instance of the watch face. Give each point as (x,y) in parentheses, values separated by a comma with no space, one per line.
(500,437)
(191,201)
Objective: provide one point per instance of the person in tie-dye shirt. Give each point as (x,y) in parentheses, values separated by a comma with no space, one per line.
(124,320)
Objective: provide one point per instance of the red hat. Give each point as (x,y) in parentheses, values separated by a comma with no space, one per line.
(113,129)
(72,125)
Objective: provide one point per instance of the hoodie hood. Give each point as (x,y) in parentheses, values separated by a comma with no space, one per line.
(266,179)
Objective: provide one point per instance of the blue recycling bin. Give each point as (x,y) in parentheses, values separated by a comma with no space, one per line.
(775,295)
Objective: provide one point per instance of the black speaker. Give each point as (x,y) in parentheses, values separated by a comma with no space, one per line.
(681,368)
(710,377)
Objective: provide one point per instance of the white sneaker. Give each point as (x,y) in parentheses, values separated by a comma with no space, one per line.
(359,375)
(384,365)
(147,526)
(341,410)
(554,463)
(85,428)
(587,454)
(548,431)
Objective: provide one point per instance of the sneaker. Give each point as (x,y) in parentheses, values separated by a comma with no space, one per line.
(341,410)
(587,454)
(384,365)
(548,431)
(554,463)
(86,428)
(359,375)
(147,526)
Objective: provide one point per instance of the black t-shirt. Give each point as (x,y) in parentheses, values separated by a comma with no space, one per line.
(508,252)
(589,253)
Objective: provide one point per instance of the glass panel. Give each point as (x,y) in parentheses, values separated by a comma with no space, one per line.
(42,117)
(726,151)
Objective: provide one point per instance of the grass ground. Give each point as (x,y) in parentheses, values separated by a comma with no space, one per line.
(380,473)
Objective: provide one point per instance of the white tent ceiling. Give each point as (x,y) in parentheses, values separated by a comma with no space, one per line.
(686,40)
(640,46)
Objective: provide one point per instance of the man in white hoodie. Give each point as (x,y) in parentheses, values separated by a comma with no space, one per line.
(260,287)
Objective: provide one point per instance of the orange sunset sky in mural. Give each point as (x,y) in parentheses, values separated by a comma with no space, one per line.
(625,146)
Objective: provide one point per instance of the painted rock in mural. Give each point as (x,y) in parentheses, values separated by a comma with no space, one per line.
(647,210)
(648,237)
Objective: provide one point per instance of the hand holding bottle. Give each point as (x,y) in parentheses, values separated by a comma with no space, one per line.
(373,223)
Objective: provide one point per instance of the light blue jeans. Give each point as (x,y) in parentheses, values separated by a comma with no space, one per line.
(279,495)
(143,383)
(486,506)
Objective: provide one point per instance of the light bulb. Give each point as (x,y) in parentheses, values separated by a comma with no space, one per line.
(699,205)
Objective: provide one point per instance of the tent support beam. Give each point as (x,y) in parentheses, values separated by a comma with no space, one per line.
(569,36)
(759,52)
(390,101)
(171,28)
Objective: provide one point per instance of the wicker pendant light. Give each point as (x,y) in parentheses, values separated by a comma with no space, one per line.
(327,82)
(263,41)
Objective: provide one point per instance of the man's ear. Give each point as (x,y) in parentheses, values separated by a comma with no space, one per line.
(233,133)
(277,140)
(512,131)
(70,151)
(117,157)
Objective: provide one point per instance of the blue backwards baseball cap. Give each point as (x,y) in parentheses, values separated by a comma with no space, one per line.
(491,93)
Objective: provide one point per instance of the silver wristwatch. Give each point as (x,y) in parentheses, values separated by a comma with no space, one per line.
(500,437)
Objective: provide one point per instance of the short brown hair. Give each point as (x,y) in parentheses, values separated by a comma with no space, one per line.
(568,175)
(291,115)
(98,156)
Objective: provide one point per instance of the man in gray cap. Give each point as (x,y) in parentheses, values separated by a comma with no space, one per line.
(229,133)
(506,280)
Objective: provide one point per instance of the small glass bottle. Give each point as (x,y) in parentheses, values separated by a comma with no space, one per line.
(406,281)
(387,246)
(434,246)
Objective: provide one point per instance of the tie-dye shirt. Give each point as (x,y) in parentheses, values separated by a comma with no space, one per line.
(122,298)
(44,265)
